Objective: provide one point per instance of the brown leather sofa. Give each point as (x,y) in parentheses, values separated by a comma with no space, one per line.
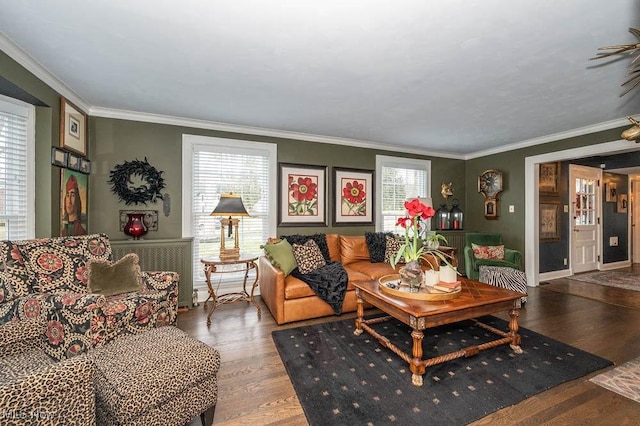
(290,299)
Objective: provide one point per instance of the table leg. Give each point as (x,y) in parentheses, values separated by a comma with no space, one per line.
(360,313)
(513,331)
(212,294)
(252,265)
(416,365)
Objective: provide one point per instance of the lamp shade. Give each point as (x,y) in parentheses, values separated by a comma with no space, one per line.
(230,205)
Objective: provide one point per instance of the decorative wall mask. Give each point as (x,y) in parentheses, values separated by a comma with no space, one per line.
(446,190)
(136,182)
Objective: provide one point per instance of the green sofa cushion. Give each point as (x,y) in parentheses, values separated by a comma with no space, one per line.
(121,277)
(280,254)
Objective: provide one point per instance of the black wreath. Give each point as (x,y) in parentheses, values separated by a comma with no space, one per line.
(122,185)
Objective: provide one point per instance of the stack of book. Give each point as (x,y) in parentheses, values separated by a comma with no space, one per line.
(448,287)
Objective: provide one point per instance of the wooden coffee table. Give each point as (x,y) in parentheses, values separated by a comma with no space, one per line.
(476,299)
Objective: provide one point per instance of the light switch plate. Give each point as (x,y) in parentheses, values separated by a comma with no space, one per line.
(512,209)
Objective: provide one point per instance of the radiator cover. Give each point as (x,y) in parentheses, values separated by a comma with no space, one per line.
(456,239)
(163,255)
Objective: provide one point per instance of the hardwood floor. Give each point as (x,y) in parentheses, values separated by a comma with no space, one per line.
(254,388)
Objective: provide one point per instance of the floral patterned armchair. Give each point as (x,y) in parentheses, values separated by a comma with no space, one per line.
(47,279)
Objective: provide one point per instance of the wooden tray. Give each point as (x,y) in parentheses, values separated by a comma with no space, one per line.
(425,292)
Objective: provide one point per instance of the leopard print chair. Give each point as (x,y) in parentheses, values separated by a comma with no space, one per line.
(159,377)
(37,390)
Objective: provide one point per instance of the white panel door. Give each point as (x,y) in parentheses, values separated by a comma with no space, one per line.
(585,193)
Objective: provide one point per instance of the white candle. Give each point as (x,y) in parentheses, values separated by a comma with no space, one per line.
(431,277)
(448,274)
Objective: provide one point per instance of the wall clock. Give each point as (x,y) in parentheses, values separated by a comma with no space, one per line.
(490,184)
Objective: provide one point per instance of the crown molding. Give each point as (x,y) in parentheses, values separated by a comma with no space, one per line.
(594,128)
(21,57)
(259,131)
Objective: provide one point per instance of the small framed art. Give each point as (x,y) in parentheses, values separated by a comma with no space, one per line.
(73,161)
(302,195)
(548,178)
(550,220)
(58,157)
(353,196)
(621,206)
(85,166)
(73,128)
(610,192)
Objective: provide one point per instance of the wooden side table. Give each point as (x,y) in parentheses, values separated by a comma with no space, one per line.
(245,263)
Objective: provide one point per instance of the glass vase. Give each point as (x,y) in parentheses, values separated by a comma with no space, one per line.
(135,226)
(412,275)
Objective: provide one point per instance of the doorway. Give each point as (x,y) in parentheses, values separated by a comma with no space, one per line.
(634,203)
(584,239)
(532,219)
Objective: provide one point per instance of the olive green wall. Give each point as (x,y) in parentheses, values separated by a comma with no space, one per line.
(512,163)
(47,135)
(114,141)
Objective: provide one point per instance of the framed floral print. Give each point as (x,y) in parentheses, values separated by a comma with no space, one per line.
(353,196)
(302,195)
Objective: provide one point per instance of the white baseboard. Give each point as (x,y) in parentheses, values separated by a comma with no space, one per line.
(554,275)
(615,265)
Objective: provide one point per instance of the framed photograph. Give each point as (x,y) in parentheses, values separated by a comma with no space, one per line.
(550,220)
(610,192)
(73,128)
(73,161)
(73,203)
(353,196)
(302,195)
(548,180)
(621,206)
(58,157)
(491,208)
(85,166)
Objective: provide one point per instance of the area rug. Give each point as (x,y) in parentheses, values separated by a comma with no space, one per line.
(624,380)
(620,279)
(341,378)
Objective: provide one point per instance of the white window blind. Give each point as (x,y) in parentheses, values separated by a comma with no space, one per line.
(220,166)
(398,179)
(17,133)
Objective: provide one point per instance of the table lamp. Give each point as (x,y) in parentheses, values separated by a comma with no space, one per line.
(230,205)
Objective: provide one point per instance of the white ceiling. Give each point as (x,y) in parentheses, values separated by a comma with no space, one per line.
(458,77)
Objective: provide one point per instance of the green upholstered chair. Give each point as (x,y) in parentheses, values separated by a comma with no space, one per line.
(512,258)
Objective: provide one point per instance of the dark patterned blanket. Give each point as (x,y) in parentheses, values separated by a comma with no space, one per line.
(329,283)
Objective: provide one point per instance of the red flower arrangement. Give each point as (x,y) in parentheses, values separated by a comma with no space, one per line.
(412,249)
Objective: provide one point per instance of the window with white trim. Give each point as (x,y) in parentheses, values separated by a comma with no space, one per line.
(213,166)
(17,170)
(398,179)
